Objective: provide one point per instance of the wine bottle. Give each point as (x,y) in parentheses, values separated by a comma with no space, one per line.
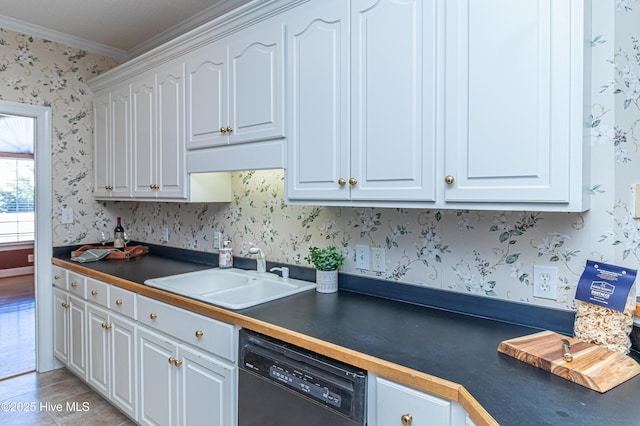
(118,236)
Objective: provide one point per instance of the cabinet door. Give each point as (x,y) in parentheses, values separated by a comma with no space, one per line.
(206,390)
(256,86)
(393,401)
(61,325)
(143,135)
(318,101)
(158,379)
(121,142)
(102,145)
(77,346)
(123,355)
(510,112)
(98,349)
(207,96)
(170,141)
(394,99)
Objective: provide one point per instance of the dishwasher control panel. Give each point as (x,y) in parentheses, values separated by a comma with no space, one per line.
(330,383)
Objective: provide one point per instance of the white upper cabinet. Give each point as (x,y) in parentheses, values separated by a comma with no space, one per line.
(515,97)
(207,96)
(158,133)
(112,142)
(235,88)
(318,101)
(362,129)
(393,99)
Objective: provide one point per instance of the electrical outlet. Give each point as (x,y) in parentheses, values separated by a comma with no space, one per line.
(545,282)
(362,257)
(165,234)
(217,240)
(378,263)
(30,258)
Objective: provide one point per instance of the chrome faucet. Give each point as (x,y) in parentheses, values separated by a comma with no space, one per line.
(261,261)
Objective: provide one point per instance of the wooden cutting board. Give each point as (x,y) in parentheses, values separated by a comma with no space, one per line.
(593,366)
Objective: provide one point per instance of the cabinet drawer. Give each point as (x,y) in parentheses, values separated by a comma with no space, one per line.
(123,302)
(393,401)
(206,333)
(77,284)
(59,277)
(98,292)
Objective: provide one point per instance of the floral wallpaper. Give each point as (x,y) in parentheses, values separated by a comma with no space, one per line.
(489,253)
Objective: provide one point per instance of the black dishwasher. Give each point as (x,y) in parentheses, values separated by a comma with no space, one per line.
(281,384)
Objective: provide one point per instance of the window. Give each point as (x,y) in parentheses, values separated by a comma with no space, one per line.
(16,200)
(17,180)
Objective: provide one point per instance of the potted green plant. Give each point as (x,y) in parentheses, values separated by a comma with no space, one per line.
(327,261)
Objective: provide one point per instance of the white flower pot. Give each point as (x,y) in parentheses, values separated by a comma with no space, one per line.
(326,281)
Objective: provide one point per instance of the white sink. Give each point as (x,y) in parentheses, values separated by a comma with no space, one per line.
(231,288)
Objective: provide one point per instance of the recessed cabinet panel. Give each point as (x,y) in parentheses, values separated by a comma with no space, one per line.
(393,109)
(318,76)
(207,96)
(121,125)
(143,93)
(171,148)
(514,101)
(102,145)
(256,89)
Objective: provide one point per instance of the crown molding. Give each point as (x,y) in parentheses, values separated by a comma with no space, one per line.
(219,9)
(57,36)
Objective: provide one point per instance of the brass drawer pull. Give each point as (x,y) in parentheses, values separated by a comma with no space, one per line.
(65,305)
(119,302)
(406,419)
(94,292)
(199,333)
(153,316)
(74,284)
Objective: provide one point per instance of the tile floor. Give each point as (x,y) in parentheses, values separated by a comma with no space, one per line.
(54,398)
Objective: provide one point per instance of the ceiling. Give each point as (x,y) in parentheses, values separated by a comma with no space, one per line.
(117,28)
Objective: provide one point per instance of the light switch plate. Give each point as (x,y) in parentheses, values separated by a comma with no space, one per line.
(67,215)
(362,257)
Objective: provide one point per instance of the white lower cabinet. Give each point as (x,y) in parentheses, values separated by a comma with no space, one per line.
(160,365)
(391,403)
(112,357)
(180,385)
(69,331)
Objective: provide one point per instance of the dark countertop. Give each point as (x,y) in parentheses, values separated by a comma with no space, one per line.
(455,347)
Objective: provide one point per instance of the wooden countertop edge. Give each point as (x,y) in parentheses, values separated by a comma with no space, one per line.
(399,373)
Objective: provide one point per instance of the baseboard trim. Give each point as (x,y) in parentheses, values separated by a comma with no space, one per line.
(14,272)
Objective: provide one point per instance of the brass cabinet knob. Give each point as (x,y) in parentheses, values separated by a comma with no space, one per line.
(119,302)
(229,129)
(105,325)
(153,315)
(352,181)
(172,359)
(177,362)
(56,277)
(199,333)
(154,186)
(448,179)
(74,284)
(108,187)
(65,305)
(223,130)
(342,182)
(94,292)
(406,419)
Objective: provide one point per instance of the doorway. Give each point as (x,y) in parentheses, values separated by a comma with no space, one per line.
(38,297)
(17,226)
